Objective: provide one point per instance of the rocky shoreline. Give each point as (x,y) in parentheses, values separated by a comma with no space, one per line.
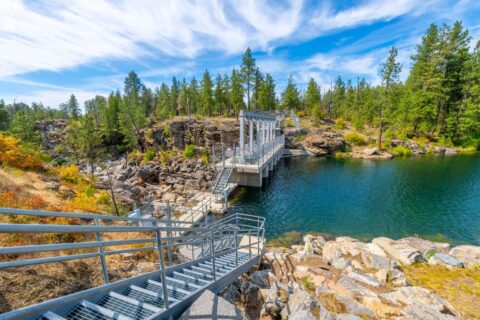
(349,279)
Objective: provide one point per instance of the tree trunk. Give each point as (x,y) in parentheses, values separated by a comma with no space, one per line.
(110,186)
(379,140)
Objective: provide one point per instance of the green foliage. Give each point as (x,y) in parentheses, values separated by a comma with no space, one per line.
(205,156)
(401,151)
(355,139)
(308,284)
(89,191)
(291,96)
(340,123)
(148,156)
(189,151)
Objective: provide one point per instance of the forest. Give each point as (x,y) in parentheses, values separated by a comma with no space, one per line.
(440,99)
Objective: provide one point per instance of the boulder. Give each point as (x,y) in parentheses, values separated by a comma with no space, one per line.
(374,257)
(370,151)
(330,251)
(424,246)
(393,276)
(352,306)
(399,251)
(446,260)
(364,278)
(261,278)
(467,254)
(425,312)
(405,296)
(350,285)
(340,263)
(211,306)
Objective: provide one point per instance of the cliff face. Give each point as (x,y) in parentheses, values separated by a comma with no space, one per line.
(52,132)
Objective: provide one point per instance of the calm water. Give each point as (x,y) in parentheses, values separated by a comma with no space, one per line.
(433,197)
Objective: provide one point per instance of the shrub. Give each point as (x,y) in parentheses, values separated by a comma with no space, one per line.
(81,202)
(289,123)
(165,156)
(148,156)
(89,191)
(205,156)
(15,155)
(355,139)
(301,114)
(308,284)
(69,173)
(189,151)
(103,197)
(166,129)
(401,151)
(340,124)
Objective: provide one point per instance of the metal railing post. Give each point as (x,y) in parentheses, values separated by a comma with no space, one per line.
(99,237)
(162,268)
(236,249)
(212,246)
(169,232)
(249,245)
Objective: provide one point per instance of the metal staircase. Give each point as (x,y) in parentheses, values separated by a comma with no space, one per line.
(228,247)
(221,182)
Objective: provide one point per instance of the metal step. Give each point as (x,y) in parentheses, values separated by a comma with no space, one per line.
(127,306)
(51,316)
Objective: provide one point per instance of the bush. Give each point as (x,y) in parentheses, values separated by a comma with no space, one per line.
(355,139)
(289,123)
(103,197)
(165,156)
(189,151)
(81,202)
(340,124)
(166,129)
(89,191)
(205,156)
(148,156)
(401,151)
(69,173)
(17,156)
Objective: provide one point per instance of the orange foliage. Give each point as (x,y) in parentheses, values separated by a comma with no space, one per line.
(14,155)
(11,199)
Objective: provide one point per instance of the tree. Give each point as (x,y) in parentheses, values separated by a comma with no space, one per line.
(247,70)
(174,93)
(95,108)
(85,140)
(193,97)
(469,117)
(4,117)
(236,92)
(220,94)
(132,115)
(111,118)
(71,108)
(390,73)
(312,97)
(291,96)
(258,80)
(23,126)
(266,94)
(207,94)
(163,102)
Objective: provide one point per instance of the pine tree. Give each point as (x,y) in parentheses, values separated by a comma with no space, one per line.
(174,94)
(248,74)
(236,92)
(111,116)
(220,95)
(291,96)
(312,98)
(4,117)
(207,94)
(257,83)
(71,108)
(266,94)
(390,73)
(194,97)
(163,102)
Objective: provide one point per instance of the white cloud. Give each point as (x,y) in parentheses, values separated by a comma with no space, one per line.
(53,98)
(64,35)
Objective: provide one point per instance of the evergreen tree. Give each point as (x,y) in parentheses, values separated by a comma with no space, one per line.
(174,94)
(291,96)
(248,74)
(111,116)
(95,108)
(236,92)
(4,117)
(132,115)
(266,94)
(312,97)
(257,84)
(390,73)
(220,95)
(194,97)
(207,94)
(71,108)
(163,102)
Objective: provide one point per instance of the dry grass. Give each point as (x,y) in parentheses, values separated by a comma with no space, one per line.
(460,287)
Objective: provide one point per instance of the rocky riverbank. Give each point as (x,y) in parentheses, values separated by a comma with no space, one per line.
(345,278)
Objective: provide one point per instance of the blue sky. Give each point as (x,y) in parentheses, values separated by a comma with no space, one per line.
(50,49)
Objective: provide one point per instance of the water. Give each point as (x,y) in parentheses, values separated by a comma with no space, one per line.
(432,197)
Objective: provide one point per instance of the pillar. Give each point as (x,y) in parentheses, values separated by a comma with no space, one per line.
(250,134)
(242,137)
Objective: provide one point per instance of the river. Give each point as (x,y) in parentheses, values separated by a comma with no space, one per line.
(434,197)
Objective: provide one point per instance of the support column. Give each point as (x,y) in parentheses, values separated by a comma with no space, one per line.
(242,136)
(250,134)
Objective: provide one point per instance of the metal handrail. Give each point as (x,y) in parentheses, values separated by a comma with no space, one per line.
(221,235)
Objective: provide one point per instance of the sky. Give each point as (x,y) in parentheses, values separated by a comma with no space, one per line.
(52,48)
